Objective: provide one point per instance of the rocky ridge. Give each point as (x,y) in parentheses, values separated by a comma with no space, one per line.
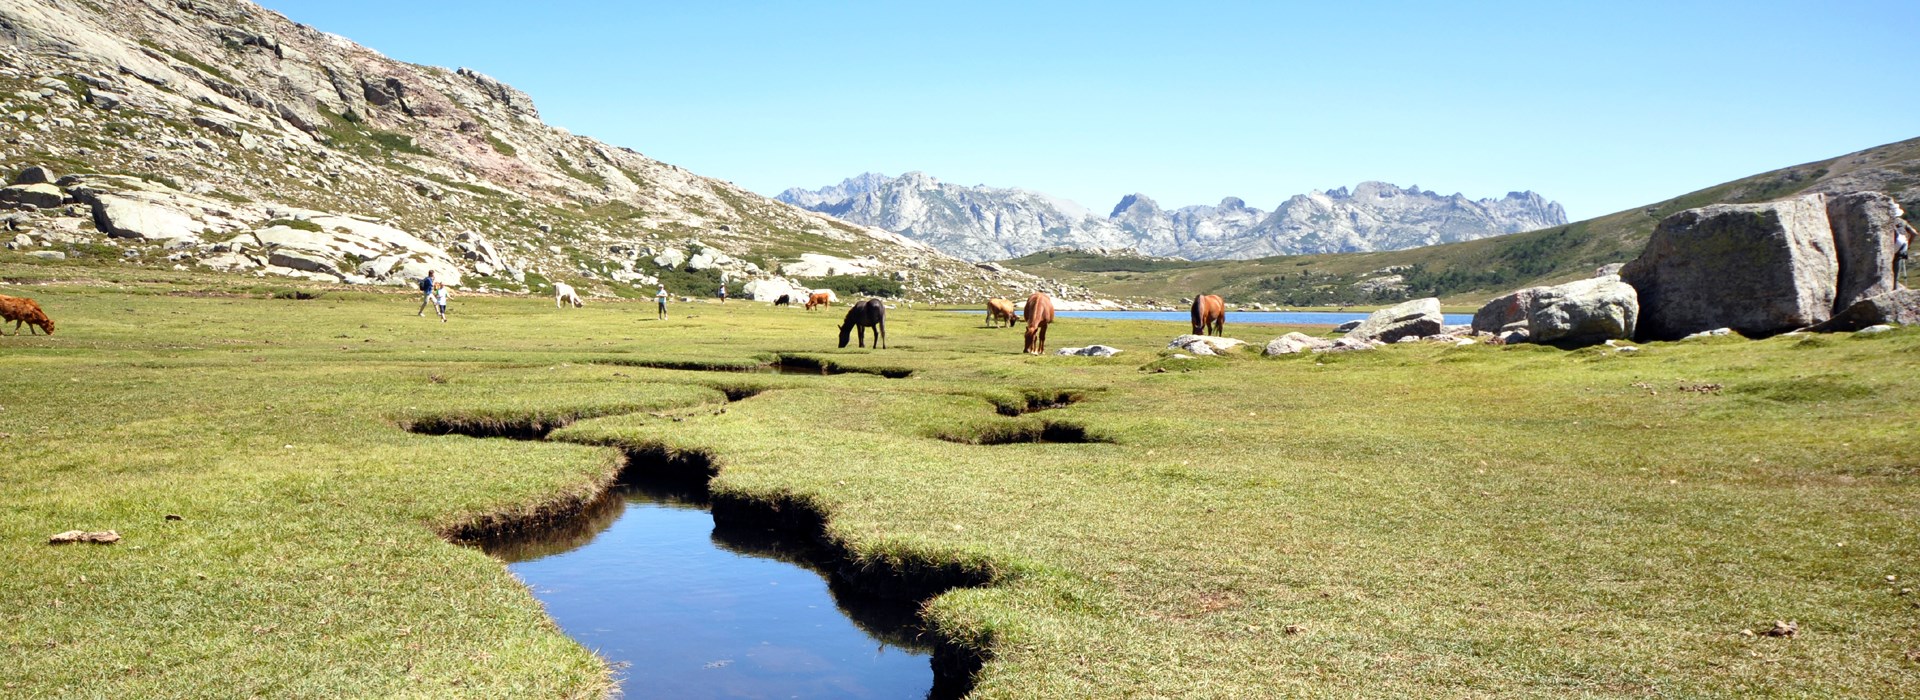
(989,223)
(218,134)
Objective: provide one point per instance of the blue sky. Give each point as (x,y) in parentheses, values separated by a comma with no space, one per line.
(1599,105)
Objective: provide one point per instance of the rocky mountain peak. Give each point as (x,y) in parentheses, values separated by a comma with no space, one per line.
(218,134)
(985,223)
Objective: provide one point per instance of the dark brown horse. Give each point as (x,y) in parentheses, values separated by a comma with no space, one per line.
(999,309)
(863,315)
(1039,316)
(1209,315)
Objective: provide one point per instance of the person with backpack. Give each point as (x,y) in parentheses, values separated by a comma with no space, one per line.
(662,299)
(426,293)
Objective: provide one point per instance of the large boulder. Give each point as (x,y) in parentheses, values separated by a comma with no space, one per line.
(1759,269)
(34,175)
(1901,306)
(40,195)
(1584,312)
(126,217)
(1418,318)
(1204,344)
(1863,230)
(1296,342)
(1504,311)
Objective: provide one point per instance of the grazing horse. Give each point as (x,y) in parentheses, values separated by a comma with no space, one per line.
(1039,315)
(819,299)
(563,295)
(21,310)
(784,300)
(998,309)
(863,315)
(1209,315)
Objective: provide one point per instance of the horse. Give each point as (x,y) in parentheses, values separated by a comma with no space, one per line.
(21,310)
(819,299)
(998,309)
(784,300)
(1209,315)
(863,315)
(1039,315)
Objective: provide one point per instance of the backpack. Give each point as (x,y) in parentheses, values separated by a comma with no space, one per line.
(426,284)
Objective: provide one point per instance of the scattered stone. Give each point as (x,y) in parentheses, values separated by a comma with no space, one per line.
(1610,269)
(1090,351)
(79,536)
(1782,628)
(1418,318)
(1715,333)
(173,517)
(1504,311)
(1863,226)
(1583,312)
(1901,306)
(35,175)
(1869,330)
(1296,342)
(1517,335)
(1350,344)
(37,195)
(1295,629)
(1204,344)
(47,255)
(1348,326)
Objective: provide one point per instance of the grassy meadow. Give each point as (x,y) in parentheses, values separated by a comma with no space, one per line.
(1418,521)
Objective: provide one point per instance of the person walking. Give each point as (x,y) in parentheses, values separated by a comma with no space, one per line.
(1903,235)
(440,300)
(661,297)
(723,292)
(426,292)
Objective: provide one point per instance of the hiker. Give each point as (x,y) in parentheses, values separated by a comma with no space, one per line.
(426,292)
(661,297)
(440,300)
(723,292)
(1903,235)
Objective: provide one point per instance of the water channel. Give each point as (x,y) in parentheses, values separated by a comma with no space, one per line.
(685,610)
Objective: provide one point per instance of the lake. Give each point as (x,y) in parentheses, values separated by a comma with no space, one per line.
(1263,318)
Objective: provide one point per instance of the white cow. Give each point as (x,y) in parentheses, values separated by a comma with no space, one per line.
(563,294)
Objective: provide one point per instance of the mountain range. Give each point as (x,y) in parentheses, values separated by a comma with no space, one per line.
(992,223)
(216,134)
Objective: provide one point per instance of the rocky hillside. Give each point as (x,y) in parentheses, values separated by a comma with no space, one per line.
(986,223)
(1467,273)
(218,134)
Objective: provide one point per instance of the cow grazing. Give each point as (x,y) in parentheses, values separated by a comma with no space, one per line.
(1209,315)
(1039,316)
(24,311)
(998,309)
(563,295)
(784,300)
(821,299)
(863,315)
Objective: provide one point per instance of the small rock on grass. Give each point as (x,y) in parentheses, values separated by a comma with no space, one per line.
(1869,330)
(72,536)
(171,516)
(1295,629)
(1782,628)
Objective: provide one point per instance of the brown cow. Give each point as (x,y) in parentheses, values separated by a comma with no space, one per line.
(21,310)
(1209,315)
(1039,316)
(998,309)
(819,299)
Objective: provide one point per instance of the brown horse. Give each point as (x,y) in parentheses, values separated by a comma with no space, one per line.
(998,309)
(819,299)
(1209,315)
(1039,316)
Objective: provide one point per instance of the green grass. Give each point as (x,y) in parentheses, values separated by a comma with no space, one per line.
(1435,521)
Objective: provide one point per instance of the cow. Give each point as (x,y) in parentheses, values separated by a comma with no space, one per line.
(999,309)
(821,299)
(1209,315)
(24,311)
(784,300)
(1039,316)
(563,295)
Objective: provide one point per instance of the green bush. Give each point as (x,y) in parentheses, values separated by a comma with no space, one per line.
(859,285)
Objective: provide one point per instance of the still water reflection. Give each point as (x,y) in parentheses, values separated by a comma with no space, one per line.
(688,611)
